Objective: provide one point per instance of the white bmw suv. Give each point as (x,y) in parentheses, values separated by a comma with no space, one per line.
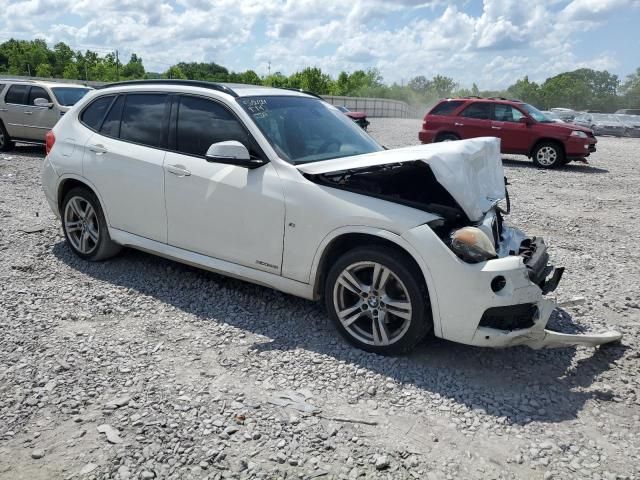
(280,188)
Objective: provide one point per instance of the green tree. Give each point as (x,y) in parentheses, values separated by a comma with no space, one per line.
(631,90)
(134,69)
(175,72)
(525,90)
(44,70)
(71,72)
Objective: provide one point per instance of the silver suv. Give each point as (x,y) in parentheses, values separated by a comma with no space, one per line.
(29,109)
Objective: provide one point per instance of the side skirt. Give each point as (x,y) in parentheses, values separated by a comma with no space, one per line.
(215,265)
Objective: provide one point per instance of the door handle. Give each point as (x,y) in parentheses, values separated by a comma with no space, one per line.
(28,113)
(459,124)
(98,149)
(178,170)
(3,110)
(496,128)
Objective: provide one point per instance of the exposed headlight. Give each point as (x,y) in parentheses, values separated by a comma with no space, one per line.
(472,245)
(579,134)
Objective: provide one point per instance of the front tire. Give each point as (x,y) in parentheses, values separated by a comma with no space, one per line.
(378,300)
(85,227)
(548,155)
(447,137)
(6,143)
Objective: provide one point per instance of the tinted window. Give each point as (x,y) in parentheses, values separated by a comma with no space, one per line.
(143,119)
(111,125)
(37,92)
(202,122)
(506,113)
(479,110)
(68,96)
(16,94)
(94,113)
(445,108)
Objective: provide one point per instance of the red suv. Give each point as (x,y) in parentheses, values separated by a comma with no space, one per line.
(522,129)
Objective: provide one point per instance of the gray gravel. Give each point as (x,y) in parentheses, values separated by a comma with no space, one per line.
(144,368)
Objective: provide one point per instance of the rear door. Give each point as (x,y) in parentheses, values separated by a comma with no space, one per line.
(124,160)
(515,136)
(474,121)
(13,110)
(38,120)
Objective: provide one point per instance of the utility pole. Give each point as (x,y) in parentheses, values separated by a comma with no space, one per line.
(269,68)
(29,69)
(86,72)
(117,66)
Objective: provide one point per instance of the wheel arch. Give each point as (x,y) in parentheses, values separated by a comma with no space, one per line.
(68,182)
(547,140)
(344,239)
(445,132)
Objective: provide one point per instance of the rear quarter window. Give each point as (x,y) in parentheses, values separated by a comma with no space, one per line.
(94,113)
(446,108)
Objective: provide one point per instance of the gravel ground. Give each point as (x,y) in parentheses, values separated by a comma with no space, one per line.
(140,367)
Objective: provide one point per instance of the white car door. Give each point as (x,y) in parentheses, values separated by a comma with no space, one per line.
(223,211)
(124,162)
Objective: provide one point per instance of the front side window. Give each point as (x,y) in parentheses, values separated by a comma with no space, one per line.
(537,115)
(37,92)
(92,115)
(143,119)
(477,110)
(306,129)
(202,122)
(68,96)
(506,113)
(16,94)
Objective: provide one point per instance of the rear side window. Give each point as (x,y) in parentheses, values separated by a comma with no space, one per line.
(92,115)
(37,92)
(202,122)
(16,94)
(506,113)
(143,119)
(446,107)
(479,110)
(111,124)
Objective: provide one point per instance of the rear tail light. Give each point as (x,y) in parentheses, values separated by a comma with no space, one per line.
(50,140)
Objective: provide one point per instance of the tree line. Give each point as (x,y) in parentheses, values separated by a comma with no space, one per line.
(580,89)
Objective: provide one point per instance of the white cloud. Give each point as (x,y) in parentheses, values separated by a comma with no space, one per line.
(403,38)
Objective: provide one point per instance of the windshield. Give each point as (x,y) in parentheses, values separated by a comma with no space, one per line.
(303,129)
(536,114)
(68,96)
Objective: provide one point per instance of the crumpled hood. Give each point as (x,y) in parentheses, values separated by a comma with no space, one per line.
(471,170)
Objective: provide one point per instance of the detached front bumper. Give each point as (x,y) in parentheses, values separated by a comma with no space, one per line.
(497,303)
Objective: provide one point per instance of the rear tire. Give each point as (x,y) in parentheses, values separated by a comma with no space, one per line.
(447,137)
(548,155)
(85,227)
(378,300)
(6,143)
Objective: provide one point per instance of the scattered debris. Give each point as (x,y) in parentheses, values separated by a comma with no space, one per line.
(113,436)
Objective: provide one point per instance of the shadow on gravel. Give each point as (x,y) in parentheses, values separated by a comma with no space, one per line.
(519,384)
(22,150)
(572,167)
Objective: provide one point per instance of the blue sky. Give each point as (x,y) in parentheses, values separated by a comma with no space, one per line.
(491,42)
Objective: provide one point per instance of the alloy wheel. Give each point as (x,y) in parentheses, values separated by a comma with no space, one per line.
(81,225)
(372,303)
(547,156)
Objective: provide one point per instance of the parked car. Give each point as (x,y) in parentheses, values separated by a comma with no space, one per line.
(359,117)
(601,123)
(29,109)
(566,114)
(553,116)
(629,111)
(522,129)
(281,189)
(631,124)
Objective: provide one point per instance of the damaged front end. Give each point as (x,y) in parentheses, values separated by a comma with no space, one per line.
(489,280)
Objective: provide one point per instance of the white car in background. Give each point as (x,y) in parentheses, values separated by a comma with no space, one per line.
(279,188)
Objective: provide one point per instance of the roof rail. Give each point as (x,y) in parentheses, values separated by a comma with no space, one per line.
(192,83)
(19,80)
(302,91)
(472,96)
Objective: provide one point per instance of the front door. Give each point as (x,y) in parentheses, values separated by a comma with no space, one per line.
(515,136)
(222,211)
(38,120)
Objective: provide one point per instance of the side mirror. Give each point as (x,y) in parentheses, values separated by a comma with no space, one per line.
(232,152)
(526,120)
(42,102)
